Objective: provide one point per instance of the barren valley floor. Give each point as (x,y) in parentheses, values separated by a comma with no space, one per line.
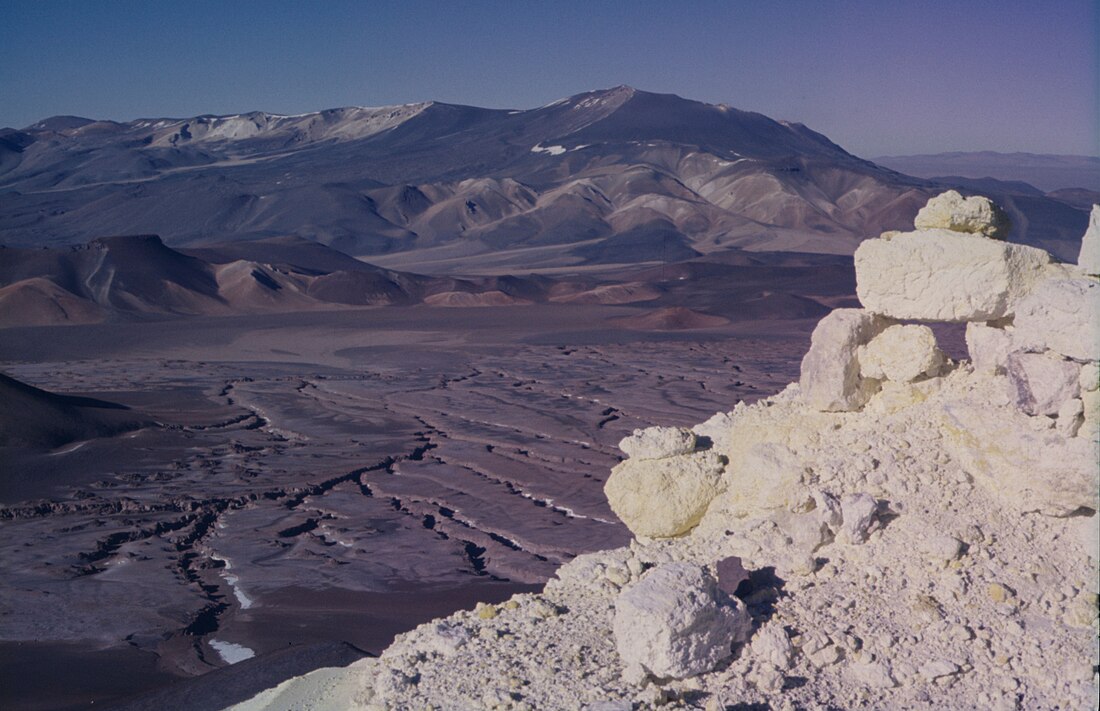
(325,477)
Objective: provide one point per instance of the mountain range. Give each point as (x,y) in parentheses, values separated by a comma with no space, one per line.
(597,180)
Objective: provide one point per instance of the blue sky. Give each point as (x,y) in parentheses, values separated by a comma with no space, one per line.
(877,76)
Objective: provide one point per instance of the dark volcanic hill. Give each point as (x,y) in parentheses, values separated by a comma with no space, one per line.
(39,419)
(618,176)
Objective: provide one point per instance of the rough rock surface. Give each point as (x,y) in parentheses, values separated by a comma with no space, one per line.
(764,476)
(1061,315)
(831,379)
(1089,260)
(666,497)
(989,347)
(973,215)
(936,549)
(658,442)
(901,354)
(675,623)
(1042,382)
(939,275)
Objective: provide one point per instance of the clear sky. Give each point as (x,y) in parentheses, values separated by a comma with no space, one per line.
(877,76)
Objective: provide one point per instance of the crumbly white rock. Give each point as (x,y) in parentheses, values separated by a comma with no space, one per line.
(975,215)
(831,379)
(664,497)
(902,354)
(940,275)
(675,623)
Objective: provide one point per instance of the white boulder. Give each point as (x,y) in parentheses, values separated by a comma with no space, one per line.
(939,275)
(1042,382)
(988,347)
(974,215)
(662,498)
(1089,259)
(831,380)
(858,511)
(658,442)
(901,354)
(1062,315)
(675,623)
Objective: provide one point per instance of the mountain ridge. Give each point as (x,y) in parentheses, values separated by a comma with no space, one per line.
(603,177)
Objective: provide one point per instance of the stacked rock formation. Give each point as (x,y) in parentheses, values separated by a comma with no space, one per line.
(895,530)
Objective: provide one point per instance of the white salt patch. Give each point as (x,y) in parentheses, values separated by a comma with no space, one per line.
(234,582)
(231,653)
(570,513)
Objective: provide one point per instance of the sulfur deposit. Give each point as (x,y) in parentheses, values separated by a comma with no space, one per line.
(895,531)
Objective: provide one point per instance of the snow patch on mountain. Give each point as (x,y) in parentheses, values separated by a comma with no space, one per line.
(550,150)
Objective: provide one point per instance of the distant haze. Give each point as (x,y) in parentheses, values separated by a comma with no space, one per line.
(878,78)
(1045,172)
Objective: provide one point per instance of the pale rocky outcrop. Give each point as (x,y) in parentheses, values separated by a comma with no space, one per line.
(901,354)
(675,623)
(972,215)
(666,497)
(658,442)
(884,531)
(831,380)
(939,275)
(1061,315)
(1089,259)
